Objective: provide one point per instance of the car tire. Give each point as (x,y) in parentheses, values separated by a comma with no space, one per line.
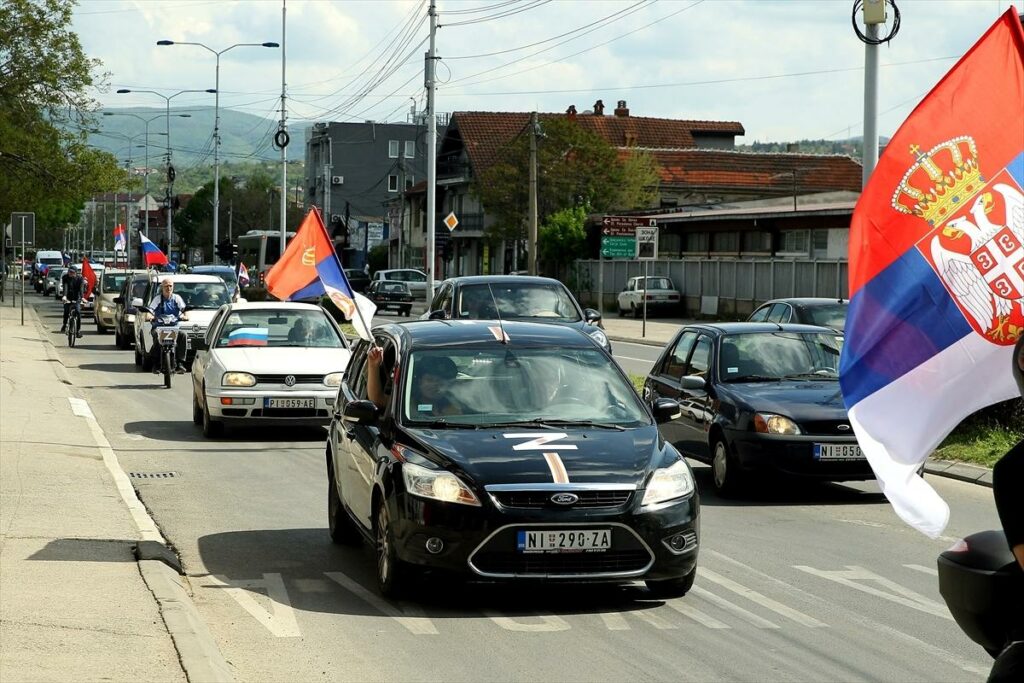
(211,428)
(100,329)
(725,475)
(407,311)
(341,527)
(147,360)
(118,339)
(197,410)
(392,573)
(672,588)
(635,311)
(138,357)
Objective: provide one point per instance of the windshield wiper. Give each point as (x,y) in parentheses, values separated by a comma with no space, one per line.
(442,423)
(754,378)
(810,375)
(576,423)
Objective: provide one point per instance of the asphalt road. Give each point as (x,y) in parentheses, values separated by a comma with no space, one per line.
(799,583)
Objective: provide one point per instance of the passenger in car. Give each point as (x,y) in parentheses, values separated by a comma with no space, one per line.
(430,376)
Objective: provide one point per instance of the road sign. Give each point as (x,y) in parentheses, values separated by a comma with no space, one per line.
(647,243)
(616,246)
(23,228)
(450,221)
(624,226)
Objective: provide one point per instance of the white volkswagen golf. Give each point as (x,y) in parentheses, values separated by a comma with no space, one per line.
(267,362)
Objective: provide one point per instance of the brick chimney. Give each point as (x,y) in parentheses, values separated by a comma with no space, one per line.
(621,109)
(570,113)
(599,108)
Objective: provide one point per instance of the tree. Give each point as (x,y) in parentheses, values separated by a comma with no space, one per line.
(562,237)
(574,167)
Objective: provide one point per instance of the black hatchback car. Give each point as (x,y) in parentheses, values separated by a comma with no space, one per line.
(514,297)
(507,452)
(387,294)
(803,310)
(758,398)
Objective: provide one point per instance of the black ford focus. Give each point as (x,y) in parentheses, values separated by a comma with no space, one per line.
(514,452)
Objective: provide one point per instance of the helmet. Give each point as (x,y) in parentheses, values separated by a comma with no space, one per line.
(1018,364)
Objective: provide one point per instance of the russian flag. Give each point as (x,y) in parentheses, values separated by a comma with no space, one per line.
(309,268)
(937,271)
(150,252)
(120,240)
(248,336)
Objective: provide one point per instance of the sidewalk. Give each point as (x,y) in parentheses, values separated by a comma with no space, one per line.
(657,332)
(74,603)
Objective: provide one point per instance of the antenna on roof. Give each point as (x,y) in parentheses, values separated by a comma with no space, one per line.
(497,313)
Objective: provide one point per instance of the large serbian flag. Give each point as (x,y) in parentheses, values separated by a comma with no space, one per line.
(150,252)
(120,240)
(310,268)
(937,271)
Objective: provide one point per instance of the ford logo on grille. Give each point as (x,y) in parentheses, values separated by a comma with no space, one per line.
(565,499)
(843,427)
(290,380)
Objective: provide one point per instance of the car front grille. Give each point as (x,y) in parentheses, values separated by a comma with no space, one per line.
(562,564)
(541,499)
(827,428)
(299,379)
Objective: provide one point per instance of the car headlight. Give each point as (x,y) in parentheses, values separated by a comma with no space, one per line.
(436,484)
(333,379)
(669,483)
(237,379)
(767,423)
(105,308)
(598,335)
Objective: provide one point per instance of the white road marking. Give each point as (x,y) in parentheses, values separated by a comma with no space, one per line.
(853,576)
(148,530)
(616,621)
(280,619)
(921,568)
(410,617)
(692,612)
(764,601)
(548,623)
(638,360)
(757,621)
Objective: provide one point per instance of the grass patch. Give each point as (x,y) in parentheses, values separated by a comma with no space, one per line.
(638,382)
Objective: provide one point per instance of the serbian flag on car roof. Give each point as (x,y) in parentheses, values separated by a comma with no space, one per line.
(89,275)
(150,252)
(120,240)
(937,271)
(309,268)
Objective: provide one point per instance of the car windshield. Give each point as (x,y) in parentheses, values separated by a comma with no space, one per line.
(203,294)
(503,385)
(517,301)
(655,283)
(225,274)
(112,282)
(779,355)
(278,328)
(832,315)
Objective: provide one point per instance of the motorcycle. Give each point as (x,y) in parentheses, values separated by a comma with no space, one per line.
(167,331)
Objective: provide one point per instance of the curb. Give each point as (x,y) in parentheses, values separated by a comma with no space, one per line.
(633,340)
(973,474)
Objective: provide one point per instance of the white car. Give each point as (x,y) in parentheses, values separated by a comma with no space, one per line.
(203,294)
(416,279)
(659,291)
(269,362)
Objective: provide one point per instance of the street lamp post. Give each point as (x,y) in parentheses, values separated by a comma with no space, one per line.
(216,121)
(170,180)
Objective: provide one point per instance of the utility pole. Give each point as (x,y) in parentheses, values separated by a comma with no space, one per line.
(532,211)
(282,137)
(874,15)
(401,206)
(428,73)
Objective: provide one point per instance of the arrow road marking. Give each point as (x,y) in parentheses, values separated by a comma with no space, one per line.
(410,617)
(280,619)
(764,601)
(852,577)
(735,609)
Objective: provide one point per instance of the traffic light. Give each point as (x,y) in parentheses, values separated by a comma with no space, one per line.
(446,250)
(224,250)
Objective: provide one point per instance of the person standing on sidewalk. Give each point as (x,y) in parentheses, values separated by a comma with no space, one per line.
(74,290)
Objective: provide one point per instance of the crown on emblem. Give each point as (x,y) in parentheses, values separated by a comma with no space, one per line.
(940,181)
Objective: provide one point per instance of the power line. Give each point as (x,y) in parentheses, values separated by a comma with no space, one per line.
(509,13)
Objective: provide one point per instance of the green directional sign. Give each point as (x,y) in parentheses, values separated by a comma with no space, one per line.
(616,246)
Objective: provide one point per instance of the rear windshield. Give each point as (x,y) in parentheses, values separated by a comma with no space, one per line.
(113,282)
(656,283)
(545,302)
(833,315)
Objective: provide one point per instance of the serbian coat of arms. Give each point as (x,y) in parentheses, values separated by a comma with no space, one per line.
(976,241)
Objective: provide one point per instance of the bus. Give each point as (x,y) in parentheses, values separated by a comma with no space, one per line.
(259,250)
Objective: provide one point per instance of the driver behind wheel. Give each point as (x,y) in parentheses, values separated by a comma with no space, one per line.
(166,310)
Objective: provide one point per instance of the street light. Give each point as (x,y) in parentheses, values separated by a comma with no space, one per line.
(170,180)
(216,119)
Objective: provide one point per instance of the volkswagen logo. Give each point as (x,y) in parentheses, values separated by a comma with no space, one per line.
(565,499)
(290,380)
(843,427)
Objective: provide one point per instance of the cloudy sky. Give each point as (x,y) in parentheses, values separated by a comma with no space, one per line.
(785,69)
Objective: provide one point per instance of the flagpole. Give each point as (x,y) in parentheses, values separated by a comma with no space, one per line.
(334,253)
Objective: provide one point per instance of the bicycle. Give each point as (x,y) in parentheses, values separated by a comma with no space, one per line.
(74,325)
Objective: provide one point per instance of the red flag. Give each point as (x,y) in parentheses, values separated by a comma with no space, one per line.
(90,278)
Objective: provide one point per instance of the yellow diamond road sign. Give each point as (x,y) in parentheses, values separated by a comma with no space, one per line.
(451,221)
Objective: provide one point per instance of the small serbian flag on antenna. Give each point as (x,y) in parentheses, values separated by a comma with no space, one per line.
(248,336)
(243,275)
(120,241)
(151,253)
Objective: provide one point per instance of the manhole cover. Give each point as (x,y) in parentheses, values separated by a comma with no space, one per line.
(152,475)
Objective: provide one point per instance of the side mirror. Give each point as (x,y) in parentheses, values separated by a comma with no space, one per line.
(693,383)
(200,345)
(140,307)
(136,302)
(591,315)
(437,315)
(360,412)
(666,410)
(118,299)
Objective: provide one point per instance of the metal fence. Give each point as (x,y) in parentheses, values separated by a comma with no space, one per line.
(730,286)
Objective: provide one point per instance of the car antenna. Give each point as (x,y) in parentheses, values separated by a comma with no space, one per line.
(497,313)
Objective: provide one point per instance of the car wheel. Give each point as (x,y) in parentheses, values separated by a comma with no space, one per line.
(211,428)
(672,588)
(342,528)
(634,310)
(118,339)
(147,360)
(725,475)
(392,573)
(138,356)
(407,311)
(197,410)
(100,329)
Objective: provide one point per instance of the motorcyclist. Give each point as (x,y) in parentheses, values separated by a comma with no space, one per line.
(73,286)
(166,310)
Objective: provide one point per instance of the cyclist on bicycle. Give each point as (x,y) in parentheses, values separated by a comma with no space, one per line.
(166,310)
(74,291)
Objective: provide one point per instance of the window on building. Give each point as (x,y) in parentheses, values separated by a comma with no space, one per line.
(757,241)
(819,239)
(392,183)
(410,149)
(696,242)
(795,241)
(393,149)
(727,242)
